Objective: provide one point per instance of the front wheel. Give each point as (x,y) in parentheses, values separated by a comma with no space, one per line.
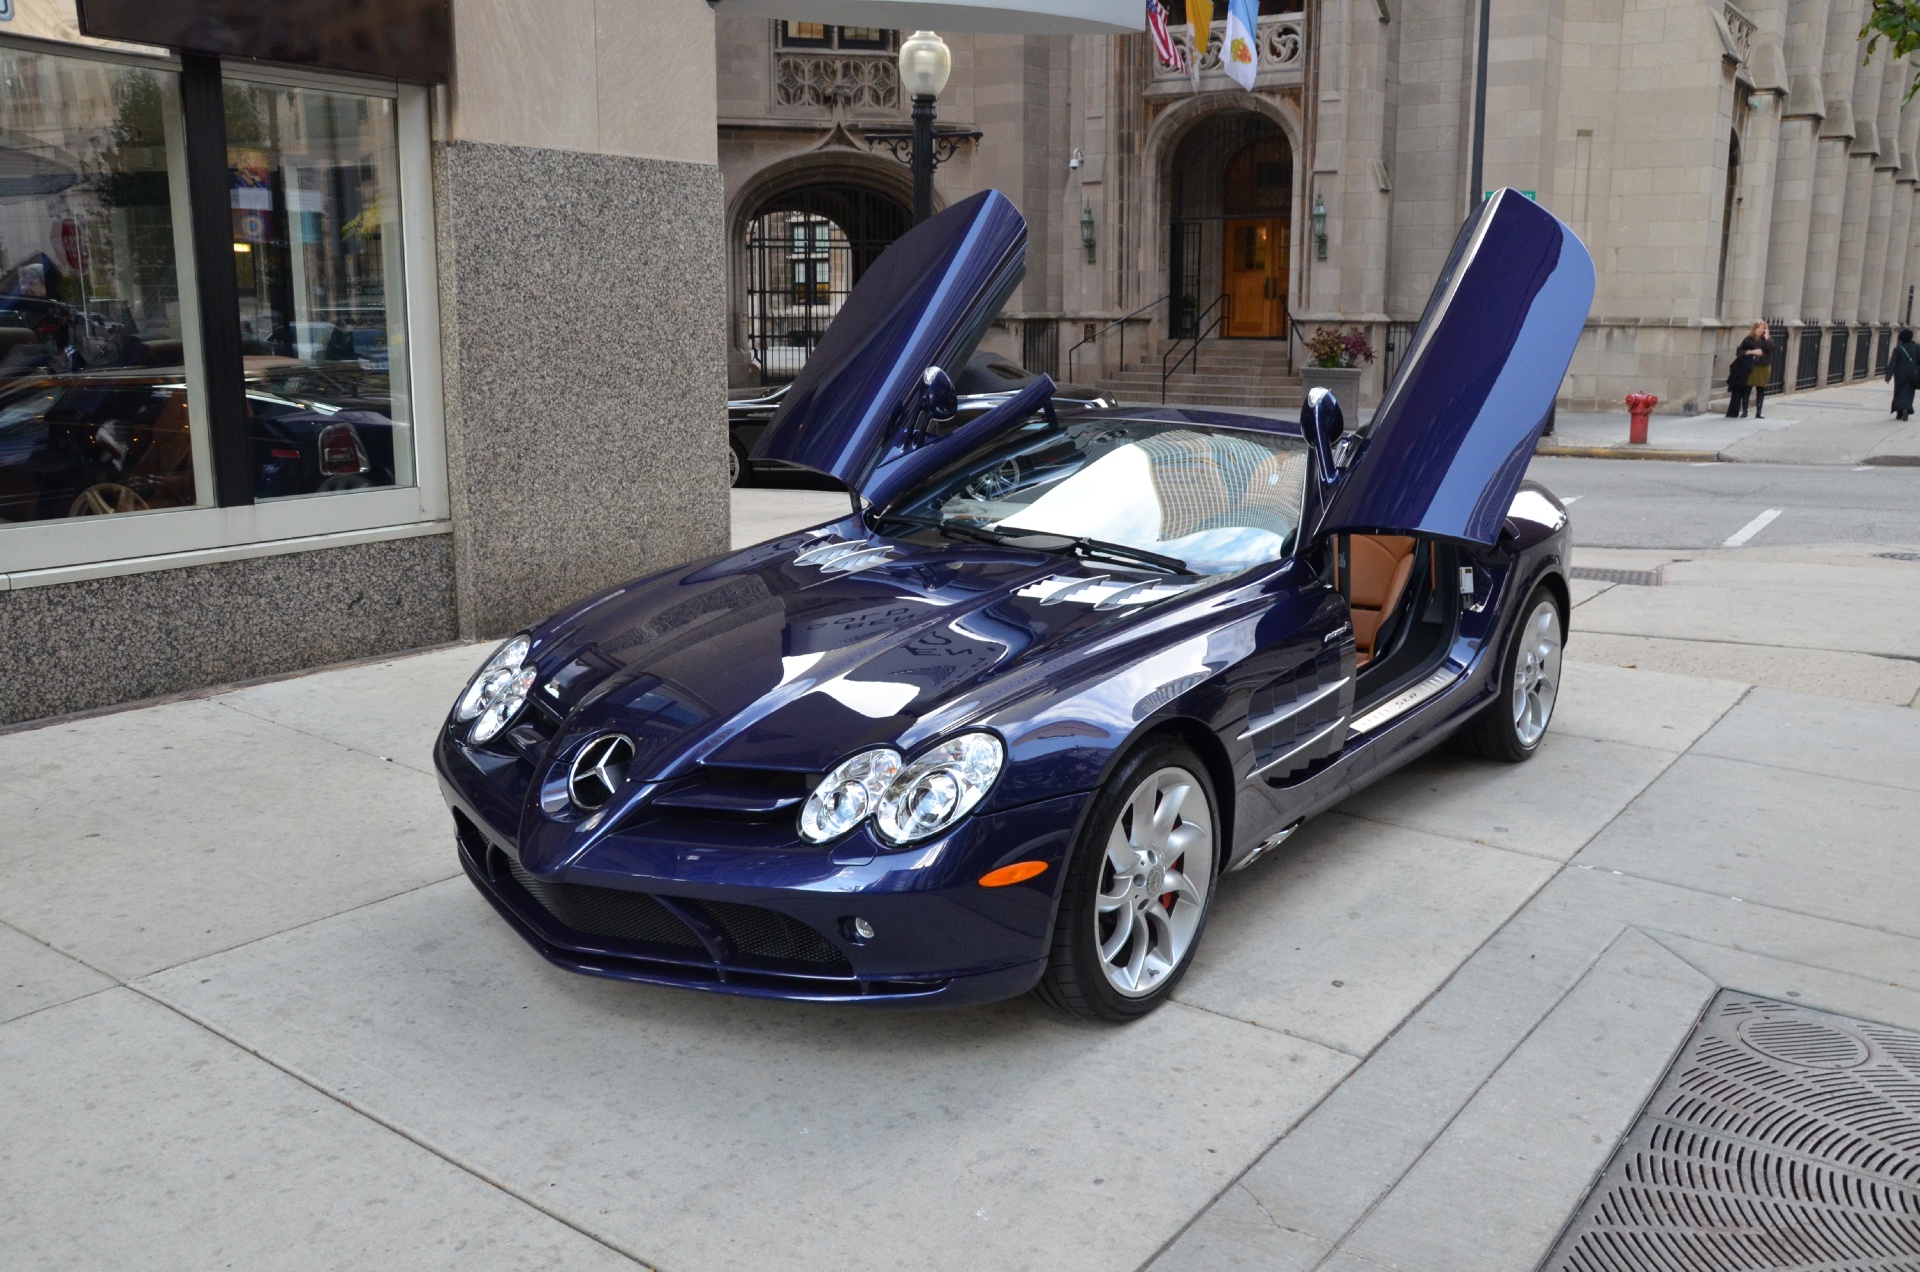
(739,469)
(1137,889)
(1511,726)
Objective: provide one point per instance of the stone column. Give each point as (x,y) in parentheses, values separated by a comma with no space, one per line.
(1753,215)
(1801,113)
(583,302)
(1903,254)
(1760,157)
(1873,276)
(1830,159)
(1857,216)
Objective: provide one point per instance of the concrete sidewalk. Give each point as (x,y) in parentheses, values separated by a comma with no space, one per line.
(1849,425)
(254,1016)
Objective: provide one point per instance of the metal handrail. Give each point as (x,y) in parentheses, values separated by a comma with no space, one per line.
(1202,330)
(1117,322)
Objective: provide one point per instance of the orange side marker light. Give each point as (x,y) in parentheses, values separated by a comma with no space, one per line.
(1018,872)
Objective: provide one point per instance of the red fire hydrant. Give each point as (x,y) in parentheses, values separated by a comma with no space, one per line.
(1639,406)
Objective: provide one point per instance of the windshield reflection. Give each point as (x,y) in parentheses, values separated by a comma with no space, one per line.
(1220,500)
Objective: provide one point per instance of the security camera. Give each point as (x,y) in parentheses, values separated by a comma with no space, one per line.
(1073,164)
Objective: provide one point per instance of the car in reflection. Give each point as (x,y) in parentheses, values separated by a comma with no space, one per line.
(118,440)
(1011,725)
(986,380)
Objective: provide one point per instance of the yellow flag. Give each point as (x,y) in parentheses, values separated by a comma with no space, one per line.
(1200,14)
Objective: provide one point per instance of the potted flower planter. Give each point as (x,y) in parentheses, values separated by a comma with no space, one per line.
(1342,382)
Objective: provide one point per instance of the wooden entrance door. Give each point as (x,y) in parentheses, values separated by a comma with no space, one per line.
(1256,278)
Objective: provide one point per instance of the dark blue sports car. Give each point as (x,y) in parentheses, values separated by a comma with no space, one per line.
(1009,723)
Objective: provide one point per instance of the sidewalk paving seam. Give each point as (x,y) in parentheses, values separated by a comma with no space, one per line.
(345,1101)
(1754,644)
(1411,1014)
(1789,768)
(1757,905)
(1655,935)
(1284,1033)
(1426,1001)
(220,701)
(1506,1057)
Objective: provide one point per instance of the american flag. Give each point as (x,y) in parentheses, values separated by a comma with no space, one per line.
(1162,38)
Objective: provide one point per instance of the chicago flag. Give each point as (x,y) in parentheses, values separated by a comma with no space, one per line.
(1241,52)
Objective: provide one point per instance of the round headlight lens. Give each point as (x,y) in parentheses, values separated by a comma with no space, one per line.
(491,679)
(846,796)
(504,705)
(939,788)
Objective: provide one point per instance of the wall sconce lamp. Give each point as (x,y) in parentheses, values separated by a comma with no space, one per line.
(1086,230)
(1319,219)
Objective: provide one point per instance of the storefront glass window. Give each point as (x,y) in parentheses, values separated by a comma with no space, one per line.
(315,194)
(94,334)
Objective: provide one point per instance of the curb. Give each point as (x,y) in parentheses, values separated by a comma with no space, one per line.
(1893,461)
(1628,452)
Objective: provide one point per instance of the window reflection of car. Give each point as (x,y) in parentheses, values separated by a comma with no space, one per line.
(986,380)
(119,440)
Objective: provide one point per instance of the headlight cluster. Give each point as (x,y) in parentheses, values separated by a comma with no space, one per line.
(907,802)
(497,692)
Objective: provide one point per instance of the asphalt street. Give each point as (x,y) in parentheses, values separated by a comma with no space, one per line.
(1652,504)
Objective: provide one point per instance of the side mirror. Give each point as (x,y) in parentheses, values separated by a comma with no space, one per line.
(937,396)
(1322,425)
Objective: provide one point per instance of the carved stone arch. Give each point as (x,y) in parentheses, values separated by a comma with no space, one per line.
(774,317)
(1163,142)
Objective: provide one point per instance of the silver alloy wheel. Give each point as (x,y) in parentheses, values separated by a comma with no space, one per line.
(1154,881)
(733,467)
(1536,673)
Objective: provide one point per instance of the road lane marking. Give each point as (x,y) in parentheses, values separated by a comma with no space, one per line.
(1567,499)
(1752,528)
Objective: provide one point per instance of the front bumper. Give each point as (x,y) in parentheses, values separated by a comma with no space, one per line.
(774,924)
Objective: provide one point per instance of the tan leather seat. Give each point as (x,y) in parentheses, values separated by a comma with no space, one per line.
(1379,566)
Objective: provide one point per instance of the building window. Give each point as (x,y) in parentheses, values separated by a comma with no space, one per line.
(316,244)
(816,35)
(96,409)
(110,407)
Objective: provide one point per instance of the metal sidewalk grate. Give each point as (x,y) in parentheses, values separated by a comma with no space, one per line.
(1656,577)
(1782,1138)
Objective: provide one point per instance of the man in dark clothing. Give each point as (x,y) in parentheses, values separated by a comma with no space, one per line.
(1751,372)
(1903,368)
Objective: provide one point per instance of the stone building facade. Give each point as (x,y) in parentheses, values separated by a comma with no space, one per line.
(503,278)
(1724,163)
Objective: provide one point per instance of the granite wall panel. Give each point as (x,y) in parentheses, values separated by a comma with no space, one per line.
(583,302)
(104,641)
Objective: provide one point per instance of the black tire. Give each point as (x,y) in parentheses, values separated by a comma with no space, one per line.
(739,468)
(1497,733)
(1075,980)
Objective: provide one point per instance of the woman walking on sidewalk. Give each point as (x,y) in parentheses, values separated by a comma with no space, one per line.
(1903,368)
(1752,369)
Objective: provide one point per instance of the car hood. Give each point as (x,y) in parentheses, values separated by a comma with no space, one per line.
(796,653)
(925,302)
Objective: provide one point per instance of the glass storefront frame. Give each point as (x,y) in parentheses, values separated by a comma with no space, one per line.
(41,552)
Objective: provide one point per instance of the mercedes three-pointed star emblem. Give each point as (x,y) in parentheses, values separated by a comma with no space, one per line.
(599,769)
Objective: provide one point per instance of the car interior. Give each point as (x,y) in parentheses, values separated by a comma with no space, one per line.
(1402,599)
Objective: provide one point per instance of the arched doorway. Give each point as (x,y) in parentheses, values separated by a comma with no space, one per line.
(1232,222)
(802,251)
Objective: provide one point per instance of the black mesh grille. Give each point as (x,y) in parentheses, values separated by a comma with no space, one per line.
(768,934)
(626,916)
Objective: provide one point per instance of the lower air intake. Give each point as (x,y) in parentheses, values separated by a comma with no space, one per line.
(624,916)
(1782,1138)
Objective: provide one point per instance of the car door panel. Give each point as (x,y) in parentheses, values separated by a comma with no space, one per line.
(1449,445)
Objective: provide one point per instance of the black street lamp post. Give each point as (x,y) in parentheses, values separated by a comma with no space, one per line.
(925,64)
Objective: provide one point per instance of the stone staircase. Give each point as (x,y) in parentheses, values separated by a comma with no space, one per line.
(1227,373)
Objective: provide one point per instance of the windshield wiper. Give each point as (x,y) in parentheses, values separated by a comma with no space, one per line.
(951,529)
(1089,549)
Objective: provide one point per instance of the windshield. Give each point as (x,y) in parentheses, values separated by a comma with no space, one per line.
(1219,500)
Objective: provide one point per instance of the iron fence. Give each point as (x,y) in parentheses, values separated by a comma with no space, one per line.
(1837,355)
(1807,376)
(800,260)
(1862,352)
